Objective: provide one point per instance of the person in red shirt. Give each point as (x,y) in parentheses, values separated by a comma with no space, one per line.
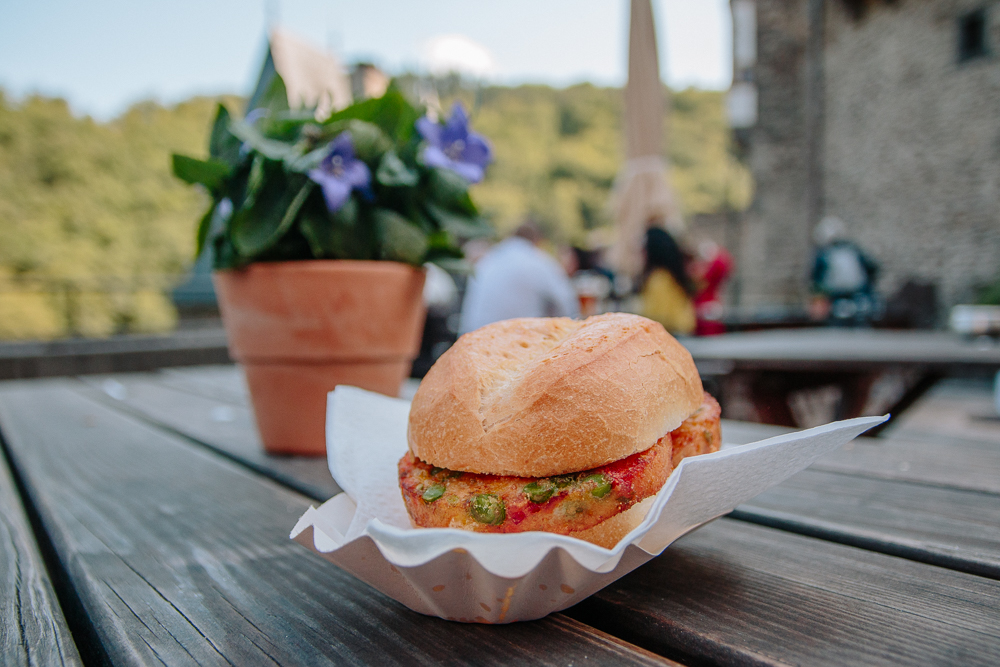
(711,270)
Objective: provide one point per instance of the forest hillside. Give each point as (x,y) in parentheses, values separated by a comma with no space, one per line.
(94,229)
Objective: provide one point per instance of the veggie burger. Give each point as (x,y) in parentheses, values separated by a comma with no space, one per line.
(554,424)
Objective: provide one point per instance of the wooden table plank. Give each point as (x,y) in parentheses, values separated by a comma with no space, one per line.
(225,382)
(739,594)
(33,630)
(219,419)
(952,528)
(934,502)
(179,556)
(211,406)
(937,460)
(960,409)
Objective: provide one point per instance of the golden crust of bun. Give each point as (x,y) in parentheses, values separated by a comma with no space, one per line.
(535,397)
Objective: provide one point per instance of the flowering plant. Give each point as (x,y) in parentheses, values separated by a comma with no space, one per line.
(376,180)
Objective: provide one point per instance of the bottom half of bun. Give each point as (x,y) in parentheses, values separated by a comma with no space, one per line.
(609,532)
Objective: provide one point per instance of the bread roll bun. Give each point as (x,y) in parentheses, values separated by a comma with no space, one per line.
(609,532)
(535,397)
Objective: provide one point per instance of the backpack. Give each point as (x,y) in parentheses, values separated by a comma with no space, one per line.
(845,273)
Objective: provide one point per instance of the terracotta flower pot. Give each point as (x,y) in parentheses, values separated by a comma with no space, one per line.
(301,328)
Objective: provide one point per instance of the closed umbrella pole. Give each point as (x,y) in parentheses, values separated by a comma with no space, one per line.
(642,194)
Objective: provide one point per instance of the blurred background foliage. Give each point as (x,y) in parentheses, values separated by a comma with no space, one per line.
(95,230)
(558,151)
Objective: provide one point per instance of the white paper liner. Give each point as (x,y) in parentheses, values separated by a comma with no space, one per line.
(501,578)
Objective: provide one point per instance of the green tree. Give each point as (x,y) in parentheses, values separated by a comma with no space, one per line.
(95,228)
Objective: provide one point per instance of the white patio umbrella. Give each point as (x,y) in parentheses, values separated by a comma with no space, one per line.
(312,77)
(642,192)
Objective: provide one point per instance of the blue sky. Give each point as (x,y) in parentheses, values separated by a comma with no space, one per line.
(104,55)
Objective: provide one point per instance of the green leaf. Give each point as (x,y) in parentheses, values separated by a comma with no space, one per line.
(203,226)
(211,173)
(272,149)
(442,251)
(450,190)
(290,247)
(258,227)
(319,233)
(441,243)
(296,116)
(286,131)
(303,164)
(368,140)
(225,255)
(400,240)
(392,172)
(255,180)
(339,235)
(220,131)
(275,98)
(222,144)
(391,113)
(452,264)
(459,224)
(286,124)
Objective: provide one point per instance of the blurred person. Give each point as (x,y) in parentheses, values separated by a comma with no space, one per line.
(666,287)
(593,261)
(517,279)
(569,259)
(592,281)
(711,269)
(475,250)
(843,277)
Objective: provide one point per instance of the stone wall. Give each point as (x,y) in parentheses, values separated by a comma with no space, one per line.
(912,141)
(910,151)
(773,253)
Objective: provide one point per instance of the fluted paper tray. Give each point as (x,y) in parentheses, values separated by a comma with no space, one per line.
(501,578)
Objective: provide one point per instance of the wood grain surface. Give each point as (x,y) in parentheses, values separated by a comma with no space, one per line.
(179,556)
(33,630)
(932,458)
(952,528)
(738,594)
(214,415)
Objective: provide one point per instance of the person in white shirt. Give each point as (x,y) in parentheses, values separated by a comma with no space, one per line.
(517,279)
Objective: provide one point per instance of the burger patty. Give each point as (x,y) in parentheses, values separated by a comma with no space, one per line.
(442,498)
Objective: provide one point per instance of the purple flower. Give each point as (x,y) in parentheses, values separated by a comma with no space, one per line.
(340,172)
(452,146)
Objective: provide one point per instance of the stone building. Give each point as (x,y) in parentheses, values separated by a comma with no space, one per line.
(885,113)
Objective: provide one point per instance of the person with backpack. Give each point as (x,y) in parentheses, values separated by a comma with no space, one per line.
(843,277)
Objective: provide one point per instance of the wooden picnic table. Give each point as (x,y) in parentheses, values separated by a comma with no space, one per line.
(140,523)
(801,377)
(839,349)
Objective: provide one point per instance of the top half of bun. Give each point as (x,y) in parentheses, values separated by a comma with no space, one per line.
(545,396)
